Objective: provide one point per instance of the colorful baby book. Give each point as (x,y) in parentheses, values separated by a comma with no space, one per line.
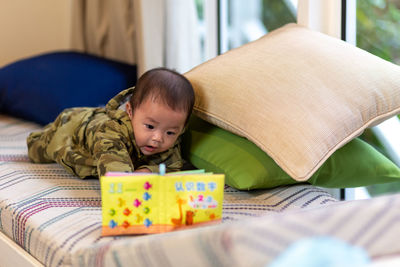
(139,203)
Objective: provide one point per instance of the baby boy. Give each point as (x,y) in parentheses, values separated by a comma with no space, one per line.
(136,131)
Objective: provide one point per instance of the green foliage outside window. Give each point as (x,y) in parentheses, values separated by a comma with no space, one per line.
(276,13)
(378,32)
(378,28)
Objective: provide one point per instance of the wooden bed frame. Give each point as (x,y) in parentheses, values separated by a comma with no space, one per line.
(13,255)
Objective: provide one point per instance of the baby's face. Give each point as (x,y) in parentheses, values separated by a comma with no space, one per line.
(155,125)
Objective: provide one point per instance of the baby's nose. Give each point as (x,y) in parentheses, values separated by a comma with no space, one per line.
(157,136)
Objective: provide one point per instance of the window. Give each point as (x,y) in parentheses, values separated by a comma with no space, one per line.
(378,31)
(245,21)
(378,28)
(239,22)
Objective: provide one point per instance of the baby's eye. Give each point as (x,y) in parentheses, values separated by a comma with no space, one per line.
(149,126)
(171,133)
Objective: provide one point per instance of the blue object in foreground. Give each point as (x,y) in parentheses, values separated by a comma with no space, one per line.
(162,169)
(321,251)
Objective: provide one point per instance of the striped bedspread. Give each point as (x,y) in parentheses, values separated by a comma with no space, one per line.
(56,217)
(13,133)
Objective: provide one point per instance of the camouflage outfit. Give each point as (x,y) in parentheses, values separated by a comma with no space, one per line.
(93,141)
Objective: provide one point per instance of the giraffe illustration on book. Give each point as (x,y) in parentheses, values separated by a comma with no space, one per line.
(180,202)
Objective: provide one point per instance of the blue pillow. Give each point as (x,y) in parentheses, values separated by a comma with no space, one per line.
(40,87)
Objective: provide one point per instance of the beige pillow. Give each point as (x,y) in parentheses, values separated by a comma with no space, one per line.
(297,94)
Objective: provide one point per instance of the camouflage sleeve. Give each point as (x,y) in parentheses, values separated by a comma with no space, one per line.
(152,168)
(174,162)
(111,153)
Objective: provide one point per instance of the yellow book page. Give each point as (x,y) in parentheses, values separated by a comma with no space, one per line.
(136,204)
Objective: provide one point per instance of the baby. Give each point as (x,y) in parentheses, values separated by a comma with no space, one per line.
(136,131)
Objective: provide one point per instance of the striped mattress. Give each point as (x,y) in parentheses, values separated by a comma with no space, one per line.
(56,218)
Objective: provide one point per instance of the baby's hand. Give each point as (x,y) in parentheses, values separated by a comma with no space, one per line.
(143,170)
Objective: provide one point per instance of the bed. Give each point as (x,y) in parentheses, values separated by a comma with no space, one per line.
(50,218)
(56,217)
(276,164)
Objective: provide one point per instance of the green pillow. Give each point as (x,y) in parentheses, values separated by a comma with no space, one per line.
(247,167)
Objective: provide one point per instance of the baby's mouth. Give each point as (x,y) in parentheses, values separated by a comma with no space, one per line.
(149,148)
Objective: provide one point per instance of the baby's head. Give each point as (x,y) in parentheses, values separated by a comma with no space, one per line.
(159,109)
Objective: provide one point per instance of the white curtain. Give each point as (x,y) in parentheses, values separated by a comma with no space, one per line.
(169,34)
(149,33)
(182,35)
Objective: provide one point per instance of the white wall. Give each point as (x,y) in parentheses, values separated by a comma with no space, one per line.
(30,27)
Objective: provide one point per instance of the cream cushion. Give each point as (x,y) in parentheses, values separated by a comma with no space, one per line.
(297,94)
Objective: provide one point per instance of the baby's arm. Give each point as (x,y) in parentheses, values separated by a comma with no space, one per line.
(143,170)
(113,160)
(110,151)
(174,162)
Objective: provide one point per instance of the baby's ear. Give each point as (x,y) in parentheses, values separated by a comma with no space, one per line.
(128,109)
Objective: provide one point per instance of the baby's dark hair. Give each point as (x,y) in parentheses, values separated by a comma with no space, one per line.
(166,85)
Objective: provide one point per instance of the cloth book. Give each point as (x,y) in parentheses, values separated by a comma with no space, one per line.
(142,203)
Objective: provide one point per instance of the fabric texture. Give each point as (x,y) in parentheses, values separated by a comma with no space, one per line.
(56,217)
(93,141)
(297,94)
(120,30)
(13,134)
(106,29)
(248,167)
(39,88)
(371,225)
